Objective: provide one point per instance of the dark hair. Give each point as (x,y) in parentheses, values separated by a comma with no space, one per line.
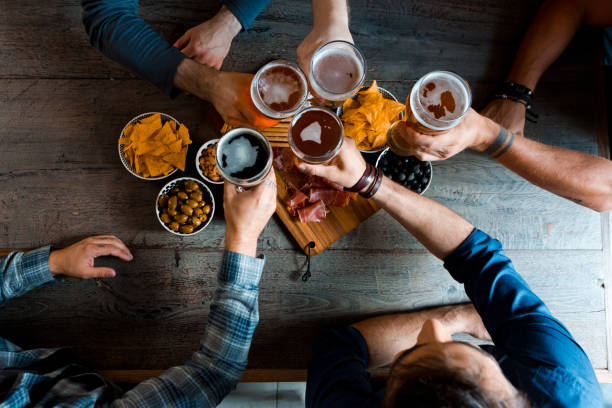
(431,382)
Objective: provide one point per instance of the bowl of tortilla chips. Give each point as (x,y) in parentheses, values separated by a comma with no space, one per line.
(367,116)
(153,146)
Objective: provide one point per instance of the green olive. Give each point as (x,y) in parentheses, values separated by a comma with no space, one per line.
(186,229)
(174,190)
(191,203)
(198,212)
(165,218)
(187,210)
(172,201)
(172,213)
(206,209)
(195,221)
(181,218)
(174,226)
(182,195)
(163,200)
(203,218)
(191,186)
(196,196)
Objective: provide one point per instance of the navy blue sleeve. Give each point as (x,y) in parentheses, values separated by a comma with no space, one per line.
(517,319)
(246,10)
(113,26)
(337,374)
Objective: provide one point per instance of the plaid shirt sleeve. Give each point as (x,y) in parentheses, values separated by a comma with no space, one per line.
(217,366)
(24,271)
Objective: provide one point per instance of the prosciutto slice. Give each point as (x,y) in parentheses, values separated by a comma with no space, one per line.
(329,196)
(313,213)
(295,202)
(284,159)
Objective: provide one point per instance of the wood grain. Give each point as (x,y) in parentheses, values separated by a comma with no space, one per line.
(64,103)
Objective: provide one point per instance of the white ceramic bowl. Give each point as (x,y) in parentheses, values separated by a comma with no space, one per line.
(197,161)
(387,95)
(125,162)
(206,193)
(387,151)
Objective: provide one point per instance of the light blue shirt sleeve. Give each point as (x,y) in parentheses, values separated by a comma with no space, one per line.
(216,368)
(24,271)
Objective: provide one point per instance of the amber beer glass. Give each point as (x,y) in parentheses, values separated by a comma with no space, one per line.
(437,103)
(316,135)
(279,89)
(337,70)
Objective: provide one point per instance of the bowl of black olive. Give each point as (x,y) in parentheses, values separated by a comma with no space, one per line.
(407,171)
(185,206)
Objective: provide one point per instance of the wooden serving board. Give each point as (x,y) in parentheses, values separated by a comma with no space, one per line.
(339,221)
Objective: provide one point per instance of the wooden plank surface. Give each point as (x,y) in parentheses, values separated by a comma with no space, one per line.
(64,104)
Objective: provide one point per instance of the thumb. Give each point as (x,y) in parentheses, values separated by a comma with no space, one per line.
(100,272)
(312,169)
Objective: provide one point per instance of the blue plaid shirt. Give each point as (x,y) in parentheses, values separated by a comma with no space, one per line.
(45,377)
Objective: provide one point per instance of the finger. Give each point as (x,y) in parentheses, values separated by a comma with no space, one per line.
(229,190)
(99,272)
(425,156)
(110,249)
(111,239)
(312,169)
(181,42)
(189,51)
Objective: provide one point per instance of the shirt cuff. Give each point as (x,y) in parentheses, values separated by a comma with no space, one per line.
(472,256)
(241,269)
(35,265)
(246,11)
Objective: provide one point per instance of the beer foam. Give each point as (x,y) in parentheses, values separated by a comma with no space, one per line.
(277,88)
(239,154)
(337,70)
(433,96)
(311,133)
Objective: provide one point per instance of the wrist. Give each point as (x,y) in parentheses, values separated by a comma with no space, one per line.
(486,132)
(228,20)
(241,243)
(55,263)
(329,15)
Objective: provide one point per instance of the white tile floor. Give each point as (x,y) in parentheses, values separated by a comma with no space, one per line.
(266,395)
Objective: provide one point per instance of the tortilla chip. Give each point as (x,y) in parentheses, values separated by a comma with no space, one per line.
(368,116)
(154,148)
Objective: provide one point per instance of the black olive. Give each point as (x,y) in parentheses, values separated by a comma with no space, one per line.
(427,170)
(418,190)
(411,177)
(424,180)
(401,177)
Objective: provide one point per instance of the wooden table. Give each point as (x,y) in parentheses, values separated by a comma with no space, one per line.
(64,104)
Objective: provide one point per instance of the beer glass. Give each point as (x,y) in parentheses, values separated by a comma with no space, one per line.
(437,102)
(337,70)
(279,89)
(244,156)
(316,135)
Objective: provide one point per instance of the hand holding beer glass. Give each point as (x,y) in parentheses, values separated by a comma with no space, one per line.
(437,103)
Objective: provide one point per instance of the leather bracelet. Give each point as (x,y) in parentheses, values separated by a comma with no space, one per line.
(364,181)
(375,186)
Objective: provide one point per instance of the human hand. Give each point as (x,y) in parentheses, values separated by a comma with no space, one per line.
(509,114)
(209,42)
(318,36)
(345,169)
(77,260)
(474,131)
(247,213)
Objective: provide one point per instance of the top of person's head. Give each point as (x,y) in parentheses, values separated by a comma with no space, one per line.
(435,380)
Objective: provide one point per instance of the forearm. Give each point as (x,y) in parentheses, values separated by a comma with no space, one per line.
(580,177)
(438,228)
(388,335)
(328,13)
(217,366)
(115,28)
(196,79)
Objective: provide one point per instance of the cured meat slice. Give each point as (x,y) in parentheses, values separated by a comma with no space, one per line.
(295,202)
(316,181)
(313,213)
(329,196)
(284,159)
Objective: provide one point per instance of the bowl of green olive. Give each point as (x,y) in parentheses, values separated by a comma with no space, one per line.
(185,206)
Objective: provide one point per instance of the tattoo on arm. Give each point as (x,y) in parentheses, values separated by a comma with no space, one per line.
(505,149)
(499,141)
(576,200)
